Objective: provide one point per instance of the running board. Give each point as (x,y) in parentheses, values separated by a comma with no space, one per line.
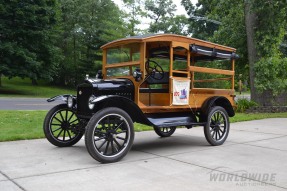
(173,120)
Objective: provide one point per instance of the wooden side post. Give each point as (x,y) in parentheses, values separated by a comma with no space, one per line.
(233,76)
(170,72)
(104,71)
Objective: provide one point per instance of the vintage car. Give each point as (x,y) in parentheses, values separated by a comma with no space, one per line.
(161,80)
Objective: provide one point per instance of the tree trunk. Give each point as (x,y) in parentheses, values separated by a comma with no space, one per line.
(250,23)
(34,82)
(0,80)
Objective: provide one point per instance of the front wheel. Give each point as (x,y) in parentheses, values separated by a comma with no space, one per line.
(216,128)
(164,131)
(62,126)
(109,135)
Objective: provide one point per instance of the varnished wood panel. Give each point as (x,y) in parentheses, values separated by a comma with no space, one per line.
(210,70)
(122,64)
(168,38)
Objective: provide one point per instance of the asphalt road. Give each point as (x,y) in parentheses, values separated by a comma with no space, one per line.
(26,104)
(42,104)
(252,158)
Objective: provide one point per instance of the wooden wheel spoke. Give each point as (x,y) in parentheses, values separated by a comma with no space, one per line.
(71,117)
(109,122)
(59,133)
(113,147)
(121,138)
(117,143)
(107,147)
(69,134)
(64,136)
(221,131)
(58,119)
(66,116)
(60,112)
(102,144)
(100,138)
(56,124)
(220,119)
(213,134)
(73,121)
(56,129)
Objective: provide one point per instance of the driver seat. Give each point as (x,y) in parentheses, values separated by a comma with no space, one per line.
(164,80)
(150,81)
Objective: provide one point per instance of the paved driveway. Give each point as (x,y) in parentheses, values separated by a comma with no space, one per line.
(254,157)
(26,104)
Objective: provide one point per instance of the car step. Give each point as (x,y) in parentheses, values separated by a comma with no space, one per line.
(174,121)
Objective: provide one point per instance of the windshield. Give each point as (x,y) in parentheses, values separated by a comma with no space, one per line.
(122,55)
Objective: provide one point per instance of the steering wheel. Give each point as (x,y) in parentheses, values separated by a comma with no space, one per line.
(154,70)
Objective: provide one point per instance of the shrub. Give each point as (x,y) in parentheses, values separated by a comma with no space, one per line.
(244,104)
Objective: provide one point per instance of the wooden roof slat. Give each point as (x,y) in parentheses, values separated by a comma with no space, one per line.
(167,38)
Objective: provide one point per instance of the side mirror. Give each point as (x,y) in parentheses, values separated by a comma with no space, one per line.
(137,74)
(99,75)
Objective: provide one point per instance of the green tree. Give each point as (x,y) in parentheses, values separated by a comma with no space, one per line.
(178,25)
(201,24)
(134,16)
(219,22)
(27,39)
(255,28)
(161,13)
(265,24)
(86,26)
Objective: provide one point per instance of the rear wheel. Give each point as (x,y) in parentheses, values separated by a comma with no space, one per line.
(164,131)
(217,126)
(62,126)
(109,135)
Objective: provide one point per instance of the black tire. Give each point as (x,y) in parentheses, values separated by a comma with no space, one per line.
(109,135)
(164,131)
(217,126)
(60,126)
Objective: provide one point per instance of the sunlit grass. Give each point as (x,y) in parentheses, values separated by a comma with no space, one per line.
(17,87)
(19,125)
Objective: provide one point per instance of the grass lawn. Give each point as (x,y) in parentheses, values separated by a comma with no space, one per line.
(17,87)
(19,125)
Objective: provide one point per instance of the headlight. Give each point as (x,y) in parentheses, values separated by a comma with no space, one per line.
(91,105)
(70,102)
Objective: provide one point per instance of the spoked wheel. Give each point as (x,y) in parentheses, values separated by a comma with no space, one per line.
(61,126)
(164,131)
(217,127)
(109,135)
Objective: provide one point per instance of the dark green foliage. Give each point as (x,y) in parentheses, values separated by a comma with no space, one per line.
(229,23)
(271,74)
(27,43)
(135,12)
(244,104)
(202,25)
(56,40)
(85,27)
(271,26)
(161,12)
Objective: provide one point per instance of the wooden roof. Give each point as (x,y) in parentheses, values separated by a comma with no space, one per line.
(166,38)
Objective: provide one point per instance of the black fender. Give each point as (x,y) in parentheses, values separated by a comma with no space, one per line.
(123,103)
(63,97)
(217,101)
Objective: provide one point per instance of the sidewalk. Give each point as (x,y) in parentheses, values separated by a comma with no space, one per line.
(253,158)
